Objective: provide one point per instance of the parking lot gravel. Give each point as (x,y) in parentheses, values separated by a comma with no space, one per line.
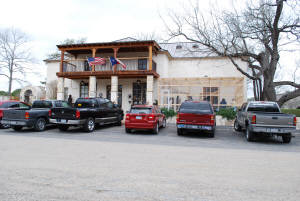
(111,165)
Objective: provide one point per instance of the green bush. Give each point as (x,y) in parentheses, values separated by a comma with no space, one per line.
(227,113)
(168,113)
(291,111)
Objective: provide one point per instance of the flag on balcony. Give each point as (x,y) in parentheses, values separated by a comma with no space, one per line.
(96,60)
(115,61)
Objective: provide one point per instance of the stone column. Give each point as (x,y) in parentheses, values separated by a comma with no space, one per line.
(92,86)
(114,89)
(60,88)
(149,94)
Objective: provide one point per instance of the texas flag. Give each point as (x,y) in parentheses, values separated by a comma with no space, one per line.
(115,61)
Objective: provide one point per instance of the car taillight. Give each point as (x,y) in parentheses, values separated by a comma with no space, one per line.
(50,113)
(127,116)
(253,120)
(77,114)
(1,113)
(151,117)
(212,119)
(295,121)
(26,115)
(177,116)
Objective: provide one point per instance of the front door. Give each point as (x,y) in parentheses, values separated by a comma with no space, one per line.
(139,93)
(108,91)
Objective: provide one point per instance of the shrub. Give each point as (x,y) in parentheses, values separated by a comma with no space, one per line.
(227,113)
(291,111)
(168,113)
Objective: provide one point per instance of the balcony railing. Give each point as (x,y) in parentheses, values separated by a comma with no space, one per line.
(81,65)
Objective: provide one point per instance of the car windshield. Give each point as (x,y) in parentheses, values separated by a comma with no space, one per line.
(192,107)
(142,110)
(42,104)
(263,107)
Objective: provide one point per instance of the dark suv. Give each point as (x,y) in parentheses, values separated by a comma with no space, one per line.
(196,116)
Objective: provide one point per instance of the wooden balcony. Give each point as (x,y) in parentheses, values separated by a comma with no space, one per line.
(79,69)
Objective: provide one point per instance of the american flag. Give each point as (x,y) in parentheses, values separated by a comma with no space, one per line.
(96,60)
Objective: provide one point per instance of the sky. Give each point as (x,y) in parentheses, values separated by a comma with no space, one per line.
(47,23)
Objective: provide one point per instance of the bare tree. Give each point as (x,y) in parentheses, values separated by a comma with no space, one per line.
(255,34)
(56,55)
(15,56)
(148,36)
(52,90)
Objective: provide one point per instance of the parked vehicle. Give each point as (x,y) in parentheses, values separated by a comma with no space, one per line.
(264,118)
(196,116)
(144,117)
(8,105)
(86,113)
(36,116)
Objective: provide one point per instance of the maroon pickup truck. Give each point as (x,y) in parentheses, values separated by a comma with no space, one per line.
(196,116)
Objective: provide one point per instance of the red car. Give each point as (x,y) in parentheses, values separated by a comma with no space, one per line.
(10,104)
(196,116)
(144,117)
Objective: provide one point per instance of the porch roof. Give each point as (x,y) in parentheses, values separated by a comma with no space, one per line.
(139,45)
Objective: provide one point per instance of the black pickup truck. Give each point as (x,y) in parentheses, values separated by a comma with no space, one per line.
(36,116)
(86,113)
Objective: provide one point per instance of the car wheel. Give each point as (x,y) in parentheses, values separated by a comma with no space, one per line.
(17,128)
(179,131)
(249,134)
(212,134)
(156,129)
(286,138)
(236,126)
(40,124)
(63,127)
(89,125)
(164,123)
(128,130)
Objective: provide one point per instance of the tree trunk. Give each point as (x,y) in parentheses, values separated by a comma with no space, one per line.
(10,81)
(269,93)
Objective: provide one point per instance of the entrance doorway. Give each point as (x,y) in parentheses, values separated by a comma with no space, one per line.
(139,93)
(108,91)
(27,95)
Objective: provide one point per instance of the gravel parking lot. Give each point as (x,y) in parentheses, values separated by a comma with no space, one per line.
(111,165)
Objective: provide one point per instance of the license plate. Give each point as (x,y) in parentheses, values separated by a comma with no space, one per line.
(61,120)
(13,122)
(272,130)
(206,127)
(138,117)
(193,126)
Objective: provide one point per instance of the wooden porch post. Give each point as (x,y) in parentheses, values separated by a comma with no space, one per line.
(62,55)
(93,55)
(115,55)
(150,58)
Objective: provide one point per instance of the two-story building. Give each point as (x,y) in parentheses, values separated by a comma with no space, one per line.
(166,74)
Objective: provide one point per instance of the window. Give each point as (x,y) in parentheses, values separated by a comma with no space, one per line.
(108,93)
(87,67)
(211,95)
(62,104)
(178,47)
(42,104)
(195,46)
(23,105)
(192,107)
(110,105)
(154,66)
(84,90)
(142,64)
(140,110)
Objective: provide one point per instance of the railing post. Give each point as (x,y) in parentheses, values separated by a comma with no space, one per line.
(62,55)
(150,58)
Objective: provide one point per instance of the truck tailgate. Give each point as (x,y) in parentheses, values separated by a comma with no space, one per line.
(274,119)
(14,114)
(63,113)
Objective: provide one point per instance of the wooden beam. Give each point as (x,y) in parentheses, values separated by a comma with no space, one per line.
(93,55)
(62,55)
(150,57)
(115,55)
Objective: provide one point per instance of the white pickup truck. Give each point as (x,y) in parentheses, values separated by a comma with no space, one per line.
(264,118)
